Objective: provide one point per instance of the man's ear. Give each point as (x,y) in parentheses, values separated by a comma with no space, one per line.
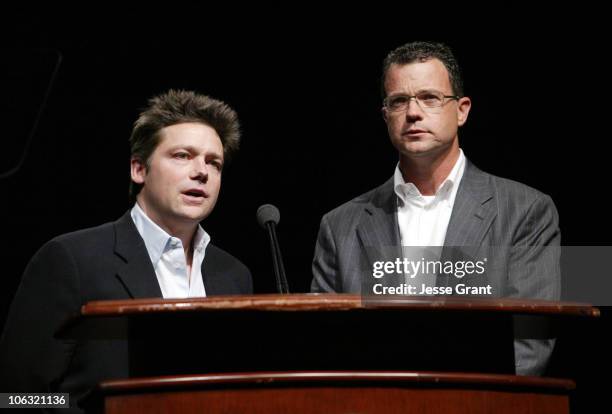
(138,170)
(385,115)
(463,110)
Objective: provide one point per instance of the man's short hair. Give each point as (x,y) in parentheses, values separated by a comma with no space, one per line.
(178,107)
(421,52)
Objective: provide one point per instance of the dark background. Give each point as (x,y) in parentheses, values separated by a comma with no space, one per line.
(305,84)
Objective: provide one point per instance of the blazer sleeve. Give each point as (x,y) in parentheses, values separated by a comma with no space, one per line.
(534,268)
(31,358)
(535,273)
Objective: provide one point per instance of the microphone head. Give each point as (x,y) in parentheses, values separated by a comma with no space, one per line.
(267,213)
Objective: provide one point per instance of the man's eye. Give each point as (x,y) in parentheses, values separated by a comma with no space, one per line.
(429,99)
(398,101)
(181,155)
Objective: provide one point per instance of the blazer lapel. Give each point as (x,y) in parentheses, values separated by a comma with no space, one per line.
(378,227)
(137,275)
(473,210)
(473,213)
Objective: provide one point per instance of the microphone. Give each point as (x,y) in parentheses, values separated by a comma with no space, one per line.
(268,217)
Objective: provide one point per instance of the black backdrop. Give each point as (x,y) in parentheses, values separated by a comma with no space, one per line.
(305,85)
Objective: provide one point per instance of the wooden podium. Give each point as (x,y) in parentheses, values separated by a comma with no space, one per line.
(325,353)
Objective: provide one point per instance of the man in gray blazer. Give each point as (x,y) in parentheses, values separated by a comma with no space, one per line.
(437,197)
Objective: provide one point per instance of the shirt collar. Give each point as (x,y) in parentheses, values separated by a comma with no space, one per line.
(157,240)
(447,190)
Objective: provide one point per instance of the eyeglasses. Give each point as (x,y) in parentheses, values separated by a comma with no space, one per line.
(428,101)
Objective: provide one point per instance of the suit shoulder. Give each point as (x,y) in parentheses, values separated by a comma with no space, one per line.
(505,188)
(356,205)
(511,189)
(519,203)
(82,247)
(86,237)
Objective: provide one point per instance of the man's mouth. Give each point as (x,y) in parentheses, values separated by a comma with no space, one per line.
(196,193)
(414,131)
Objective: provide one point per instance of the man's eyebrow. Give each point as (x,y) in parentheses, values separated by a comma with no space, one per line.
(428,90)
(189,148)
(425,90)
(192,149)
(216,156)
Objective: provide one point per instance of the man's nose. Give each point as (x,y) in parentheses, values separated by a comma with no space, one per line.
(414,110)
(199,169)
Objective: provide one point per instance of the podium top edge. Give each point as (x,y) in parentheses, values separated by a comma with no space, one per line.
(313,302)
(441,379)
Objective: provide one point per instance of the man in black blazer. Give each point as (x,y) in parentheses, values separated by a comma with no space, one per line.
(157,249)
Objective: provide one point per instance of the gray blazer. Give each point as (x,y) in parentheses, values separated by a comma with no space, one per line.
(488,211)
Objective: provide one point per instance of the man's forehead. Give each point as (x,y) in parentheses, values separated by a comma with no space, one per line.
(188,128)
(430,74)
(194,134)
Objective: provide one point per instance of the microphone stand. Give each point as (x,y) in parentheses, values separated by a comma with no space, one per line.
(279,269)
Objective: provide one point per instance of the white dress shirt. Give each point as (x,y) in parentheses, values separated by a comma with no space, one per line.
(168,258)
(423,220)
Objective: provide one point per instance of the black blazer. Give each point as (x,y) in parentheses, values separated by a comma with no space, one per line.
(101,263)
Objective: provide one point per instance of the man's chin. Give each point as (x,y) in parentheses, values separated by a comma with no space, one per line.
(418,149)
(194,215)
